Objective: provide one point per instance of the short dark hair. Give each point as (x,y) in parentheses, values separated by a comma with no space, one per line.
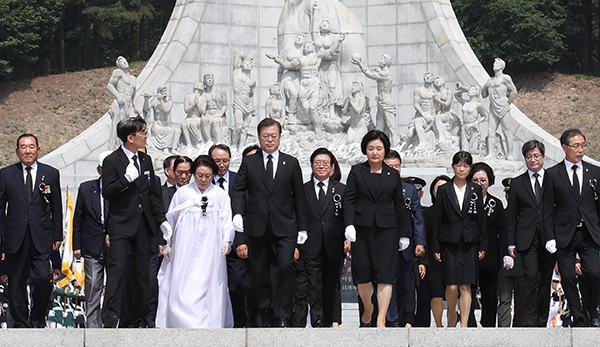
(434,182)
(393,154)
(481,166)
(27,135)
(249,149)
(130,126)
(167,163)
(372,136)
(219,146)
(206,161)
(531,144)
(321,150)
(267,122)
(180,160)
(565,138)
(462,156)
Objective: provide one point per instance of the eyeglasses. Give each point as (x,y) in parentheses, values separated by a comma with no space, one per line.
(141,132)
(534,157)
(579,146)
(206,177)
(318,163)
(271,136)
(481,181)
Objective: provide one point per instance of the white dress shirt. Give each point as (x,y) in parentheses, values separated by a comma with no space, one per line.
(569,166)
(225,183)
(275,160)
(34,168)
(317,188)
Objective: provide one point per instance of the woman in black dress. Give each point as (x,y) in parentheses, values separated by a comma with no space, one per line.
(460,238)
(376,224)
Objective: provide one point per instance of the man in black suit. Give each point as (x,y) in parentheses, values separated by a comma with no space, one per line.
(30,229)
(571,227)
(322,255)
(134,216)
(170,187)
(269,193)
(221,154)
(525,234)
(89,241)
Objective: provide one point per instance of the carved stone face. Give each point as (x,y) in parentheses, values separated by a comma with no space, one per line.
(209,80)
(498,65)
(473,91)
(299,40)
(275,89)
(439,82)
(247,64)
(325,26)
(122,63)
(355,87)
(428,77)
(309,47)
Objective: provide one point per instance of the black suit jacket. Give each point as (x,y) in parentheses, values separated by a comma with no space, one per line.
(451,223)
(377,198)
(283,204)
(166,196)
(495,228)
(88,229)
(416,223)
(563,210)
(44,217)
(129,200)
(524,213)
(325,229)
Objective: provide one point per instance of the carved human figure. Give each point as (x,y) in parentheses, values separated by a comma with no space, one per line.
(330,69)
(443,119)
(162,136)
(425,111)
(243,98)
(194,105)
(386,108)
(214,121)
(275,105)
(356,107)
(290,78)
(310,86)
(502,92)
(473,113)
(122,86)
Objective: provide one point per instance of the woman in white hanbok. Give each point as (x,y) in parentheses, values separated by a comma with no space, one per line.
(193,277)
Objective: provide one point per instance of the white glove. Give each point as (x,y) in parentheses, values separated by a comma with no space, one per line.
(302,237)
(238,223)
(350,233)
(403,243)
(167,230)
(131,173)
(551,246)
(226,247)
(509,262)
(167,252)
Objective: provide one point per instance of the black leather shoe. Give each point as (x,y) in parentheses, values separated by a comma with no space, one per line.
(317,324)
(283,323)
(111,322)
(266,318)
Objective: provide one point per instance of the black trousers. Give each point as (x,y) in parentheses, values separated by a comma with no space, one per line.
(28,263)
(589,253)
(488,287)
(266,250)
(235,283)
(140,253)
(308,291)
(538,265)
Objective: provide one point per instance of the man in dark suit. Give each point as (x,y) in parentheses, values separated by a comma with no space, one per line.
(134,216)
(322,255)
(571,226)
(30,229)
(89,241)
(170,187)
(221,154)
(525,234)
(269,193)
(402,304)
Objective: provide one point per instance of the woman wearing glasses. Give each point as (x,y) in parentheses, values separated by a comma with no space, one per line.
(460,238)
(202,233)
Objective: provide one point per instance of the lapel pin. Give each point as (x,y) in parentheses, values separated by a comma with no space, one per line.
(388,173)
(43,177)
(283,163)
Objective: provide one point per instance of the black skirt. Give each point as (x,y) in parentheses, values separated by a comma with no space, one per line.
(460,262)
(375,255)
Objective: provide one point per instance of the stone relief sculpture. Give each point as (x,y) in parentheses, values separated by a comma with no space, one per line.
(290,78)
(445,122)
(386,108)
(214,121)
(419,128)
(243,98)
(194,106)
(161,136)
(502,92)
(309,92)
(473,114)
(330,70)
(122,86)
(356,107)
(275,105)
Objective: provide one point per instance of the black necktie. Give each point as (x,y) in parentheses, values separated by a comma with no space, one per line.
(575,180)
(270,169)
(538,188)
(135,163)
(221,180)
(321,195)
(29,184)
